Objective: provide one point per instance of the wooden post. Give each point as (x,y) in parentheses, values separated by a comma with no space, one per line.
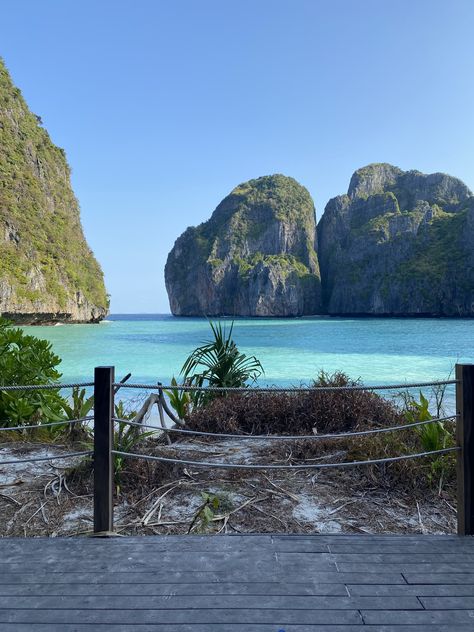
(104,377)
(465,440)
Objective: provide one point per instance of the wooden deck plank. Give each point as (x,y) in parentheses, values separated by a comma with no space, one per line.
(198,588)
(211,602)
(439,578)
(175,617)
(448,602)
(419,617)
(195,577)
(419,590)
(404,567)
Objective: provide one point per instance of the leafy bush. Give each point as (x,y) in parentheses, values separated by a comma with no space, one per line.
(26,359)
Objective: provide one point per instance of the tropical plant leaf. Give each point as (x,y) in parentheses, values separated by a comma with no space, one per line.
(219,363)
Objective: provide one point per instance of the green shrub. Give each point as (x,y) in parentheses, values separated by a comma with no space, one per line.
(26,359)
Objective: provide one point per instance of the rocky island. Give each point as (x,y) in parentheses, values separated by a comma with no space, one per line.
(255,256)
(399,243)
(48,273)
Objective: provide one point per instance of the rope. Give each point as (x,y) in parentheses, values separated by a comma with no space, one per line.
(305,466)
(338,435)
(285,389)
(53,423)
(46,458)
(272,389)
(43,387)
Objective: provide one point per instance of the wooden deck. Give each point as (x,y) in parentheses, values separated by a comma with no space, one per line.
(238,583)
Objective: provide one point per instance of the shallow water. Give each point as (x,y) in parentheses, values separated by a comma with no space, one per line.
(154,347)
(292,351)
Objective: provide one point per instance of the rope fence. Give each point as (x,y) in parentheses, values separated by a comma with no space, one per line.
(104,451)
(339,435)
(65,422)
(283,389)
(272,466)
(45,387)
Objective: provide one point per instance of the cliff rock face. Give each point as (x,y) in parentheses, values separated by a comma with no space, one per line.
(47,271)
(398,243)
(254,257)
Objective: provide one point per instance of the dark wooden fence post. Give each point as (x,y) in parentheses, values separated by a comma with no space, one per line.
(465,440)
(104,377)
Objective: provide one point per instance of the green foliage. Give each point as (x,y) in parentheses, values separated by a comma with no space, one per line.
(77,407)
(126,438)
(441,253)
(180,400)
(26,359)
(287,263)
(206,512)
(39,207)
(433,436)
(219,363)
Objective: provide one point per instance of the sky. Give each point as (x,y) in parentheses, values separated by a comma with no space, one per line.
(163,107)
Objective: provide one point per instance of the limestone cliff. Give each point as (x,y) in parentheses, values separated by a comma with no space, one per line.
(255,256)
(399,243)
(47,271)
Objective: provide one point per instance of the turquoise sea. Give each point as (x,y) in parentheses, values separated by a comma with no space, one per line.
(378,350)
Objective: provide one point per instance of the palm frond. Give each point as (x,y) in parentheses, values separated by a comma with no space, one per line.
(218,362)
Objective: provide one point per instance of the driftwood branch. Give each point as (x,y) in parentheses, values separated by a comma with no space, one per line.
(160,401)
(148,404)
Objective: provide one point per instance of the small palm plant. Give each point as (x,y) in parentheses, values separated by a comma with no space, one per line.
(78,407)
(432,436)
(219,363)
(180,400)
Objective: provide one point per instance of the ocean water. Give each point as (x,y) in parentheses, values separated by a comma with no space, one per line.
(292,351)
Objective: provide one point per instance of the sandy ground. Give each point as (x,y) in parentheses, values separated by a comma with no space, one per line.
(50,498)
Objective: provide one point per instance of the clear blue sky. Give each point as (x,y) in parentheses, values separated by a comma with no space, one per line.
(164,107)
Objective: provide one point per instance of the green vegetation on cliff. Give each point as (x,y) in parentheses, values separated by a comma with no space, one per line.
(399,243)
(442,253)
(255,256)
(46,264)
